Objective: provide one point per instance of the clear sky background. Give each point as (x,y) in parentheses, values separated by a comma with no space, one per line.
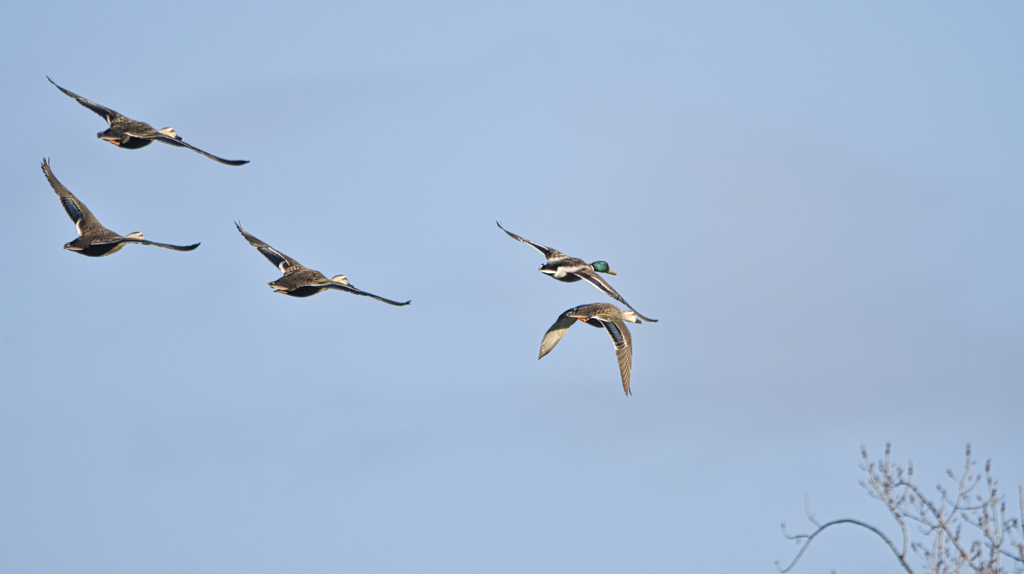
(822,205)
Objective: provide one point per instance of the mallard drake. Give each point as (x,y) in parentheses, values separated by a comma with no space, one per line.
(94,240)
(570,269)
(598,315)
(300,281)
(130,134)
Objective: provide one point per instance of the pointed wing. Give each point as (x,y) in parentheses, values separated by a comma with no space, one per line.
(548,253)
(623,342)
(556,332)
(600,283)
(177,141)
(106,113)
(164,245)
(76,210)
(286,264)
(355,291)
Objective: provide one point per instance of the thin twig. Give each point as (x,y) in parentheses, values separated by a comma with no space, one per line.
(807,511)
(809,537)
(990,534)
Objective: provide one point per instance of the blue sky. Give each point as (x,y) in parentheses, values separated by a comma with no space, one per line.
(821,204)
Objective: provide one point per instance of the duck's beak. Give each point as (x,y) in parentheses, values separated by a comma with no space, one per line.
(610,272)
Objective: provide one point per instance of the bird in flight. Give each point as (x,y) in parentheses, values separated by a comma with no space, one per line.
(598,315)
(94,240)
(570,269)
(130,134)
(300,281)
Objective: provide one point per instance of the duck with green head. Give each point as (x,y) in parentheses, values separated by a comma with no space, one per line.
(571,269)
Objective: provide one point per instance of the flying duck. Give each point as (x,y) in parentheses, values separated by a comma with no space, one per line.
(570,269)
(598,315)
(300,281)
(130,134)
(94,240)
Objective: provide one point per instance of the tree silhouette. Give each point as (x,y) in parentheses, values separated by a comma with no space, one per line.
(965,529)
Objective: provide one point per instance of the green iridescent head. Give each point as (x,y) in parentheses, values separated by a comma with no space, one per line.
(602,267)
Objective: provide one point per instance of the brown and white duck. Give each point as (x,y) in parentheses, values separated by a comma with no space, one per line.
(131,134)
(94,240)
(598,315)
(300,281)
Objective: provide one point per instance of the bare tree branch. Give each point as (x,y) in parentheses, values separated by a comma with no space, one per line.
(945,525)
(807,538)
